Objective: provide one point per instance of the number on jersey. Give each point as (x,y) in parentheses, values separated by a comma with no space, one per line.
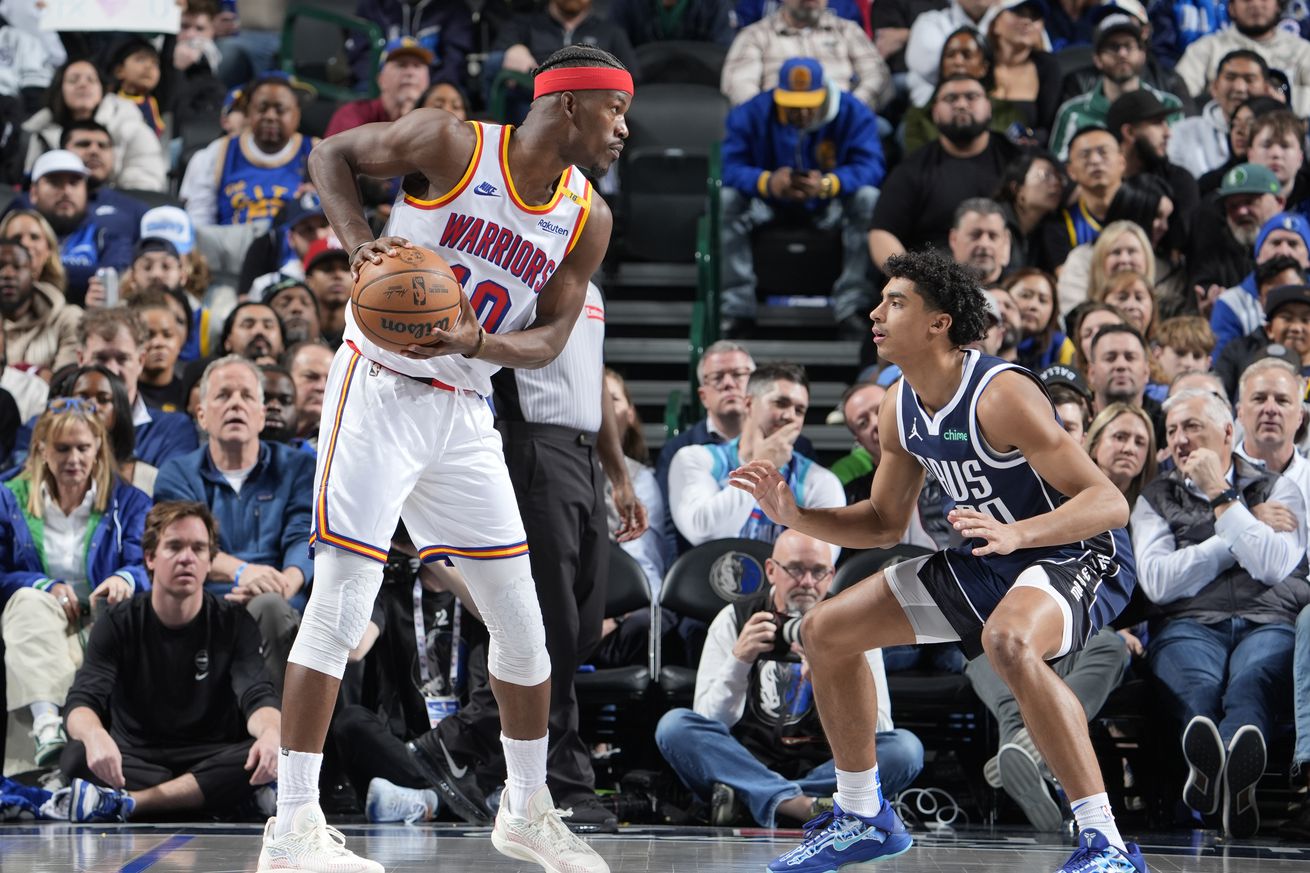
(490,300)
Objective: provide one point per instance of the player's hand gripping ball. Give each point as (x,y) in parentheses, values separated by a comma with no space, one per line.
(406,298)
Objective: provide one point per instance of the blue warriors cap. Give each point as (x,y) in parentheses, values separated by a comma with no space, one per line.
(403,46)
(801,84)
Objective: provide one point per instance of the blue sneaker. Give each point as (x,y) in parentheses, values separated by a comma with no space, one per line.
(1096,855)
(837,838)
(90,802)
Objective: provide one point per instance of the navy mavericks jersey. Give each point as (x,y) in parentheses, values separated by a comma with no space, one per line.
(1003,485)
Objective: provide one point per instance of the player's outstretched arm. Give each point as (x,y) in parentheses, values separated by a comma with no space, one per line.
(426,142)
(1013,411)
(875,523)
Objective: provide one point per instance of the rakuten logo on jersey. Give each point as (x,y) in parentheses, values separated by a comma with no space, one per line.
(552,227)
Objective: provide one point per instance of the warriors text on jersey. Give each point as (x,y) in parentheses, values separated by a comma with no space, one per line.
(503,250)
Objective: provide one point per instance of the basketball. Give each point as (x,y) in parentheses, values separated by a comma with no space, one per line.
(402,300)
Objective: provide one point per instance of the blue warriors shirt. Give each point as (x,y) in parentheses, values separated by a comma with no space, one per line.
(1081,226)
(252,186)
(976,476)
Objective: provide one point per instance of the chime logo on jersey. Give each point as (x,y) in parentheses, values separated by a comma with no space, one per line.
(499,246)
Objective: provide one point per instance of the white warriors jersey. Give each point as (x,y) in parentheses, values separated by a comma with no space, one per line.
(502,250)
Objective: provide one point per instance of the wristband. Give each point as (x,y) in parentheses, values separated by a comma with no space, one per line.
(236,577)
(482,341)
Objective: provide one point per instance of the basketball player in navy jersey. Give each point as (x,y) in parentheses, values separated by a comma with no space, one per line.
(410,435)
(1045,562)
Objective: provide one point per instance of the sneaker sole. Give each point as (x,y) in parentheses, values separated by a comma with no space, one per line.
(1022,780)
(459,803)
(1204,751)
(1246,764)
(49,755)
(520,852)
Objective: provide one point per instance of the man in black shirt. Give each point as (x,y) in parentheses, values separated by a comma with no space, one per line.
(1141,122)
(172,709)
(920,196)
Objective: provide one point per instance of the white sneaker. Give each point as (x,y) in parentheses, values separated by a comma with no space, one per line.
(388,802)
(311,847)
(541,837)
(48,733)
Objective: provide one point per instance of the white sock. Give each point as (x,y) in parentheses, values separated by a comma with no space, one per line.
(859,791)
(43,707)
(1093,813)
(525,767)
(297,786)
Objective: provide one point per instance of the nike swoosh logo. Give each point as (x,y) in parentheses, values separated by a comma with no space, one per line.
(457,772)
(203,675)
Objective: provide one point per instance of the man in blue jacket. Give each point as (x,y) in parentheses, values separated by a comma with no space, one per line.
(804,153)
(261,495)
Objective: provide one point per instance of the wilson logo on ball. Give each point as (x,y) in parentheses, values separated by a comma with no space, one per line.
(418,330)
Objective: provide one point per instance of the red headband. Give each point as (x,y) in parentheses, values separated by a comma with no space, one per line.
(581,79)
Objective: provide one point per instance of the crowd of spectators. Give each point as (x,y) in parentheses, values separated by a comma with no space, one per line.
(1129,183)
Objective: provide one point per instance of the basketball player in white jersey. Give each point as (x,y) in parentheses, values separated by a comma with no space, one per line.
(410,436)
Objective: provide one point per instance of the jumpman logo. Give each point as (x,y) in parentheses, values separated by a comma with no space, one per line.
(914,431)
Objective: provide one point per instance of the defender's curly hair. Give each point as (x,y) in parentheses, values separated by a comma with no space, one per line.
(945,286)
(579,56)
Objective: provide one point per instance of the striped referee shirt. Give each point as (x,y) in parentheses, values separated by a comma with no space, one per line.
(566,391)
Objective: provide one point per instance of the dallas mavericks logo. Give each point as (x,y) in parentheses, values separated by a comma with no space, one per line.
(736,576)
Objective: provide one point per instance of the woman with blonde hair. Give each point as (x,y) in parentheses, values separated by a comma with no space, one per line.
(70,543)
(1121,441)
(1130,292)
(1122,245)
(36,235)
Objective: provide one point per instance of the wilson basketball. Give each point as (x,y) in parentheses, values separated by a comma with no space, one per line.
(401,301)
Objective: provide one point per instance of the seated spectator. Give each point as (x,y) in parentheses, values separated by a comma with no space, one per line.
(280,252)
(1085,321)
(59,194)
(803,153)
(979,239)
(327,276)
(26,74)
(1121,245)
(242,178)
(254,332)
(297,308)
(1271,413)
(929,32)
(1230,587)
(401,80)
(446,97)
(279,404)
(36,235)
(104,391)
(967,160)
(705,507)
(1041,342)
(527,38)
(1119,54)
(750,11)
(964,53)
(28,390)
(40,327)
(699,21)
(752,738)
(1253,28)
(1142,122)
(116,338)
(1003,328)
(1130,293)
(1030,194)
(261,495)
(172,711)
(71,530)
(1286,331)
(1239,310)
(445,30)
(1182,344)
(801,29)
(1096,166)
(1224,251)
(1277,139)
(190,88)
(1121,440)
(1118,370)
(1071,398)
(119,213)
(79,93)
(1239,138)
(1023,72)
(309,363)
(1200,144)
(890,22)
(164,318)
(135,70)
(209,303)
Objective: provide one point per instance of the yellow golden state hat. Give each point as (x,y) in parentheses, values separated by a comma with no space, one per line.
(801,84)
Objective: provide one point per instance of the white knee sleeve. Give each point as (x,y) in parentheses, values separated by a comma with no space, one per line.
(340,603)
(506,596)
